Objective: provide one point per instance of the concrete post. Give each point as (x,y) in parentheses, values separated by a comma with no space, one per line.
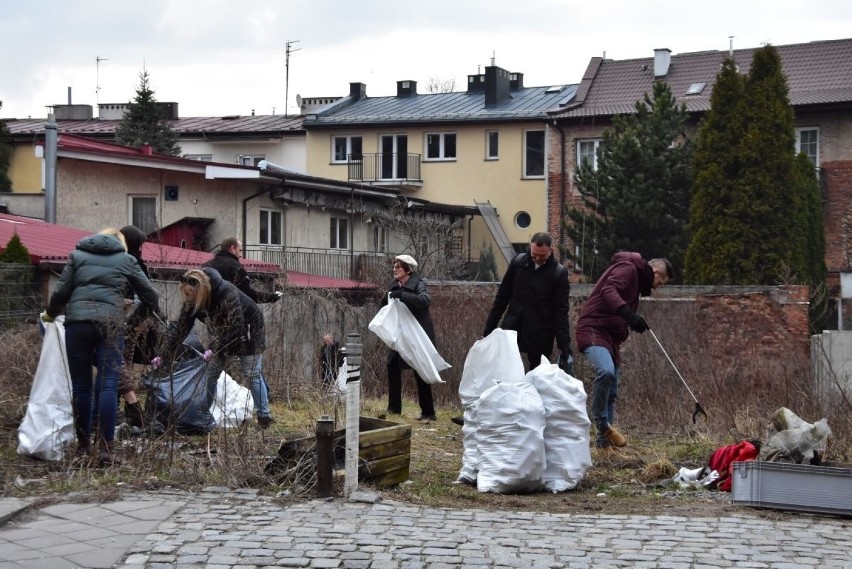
(51,140)
(353,411)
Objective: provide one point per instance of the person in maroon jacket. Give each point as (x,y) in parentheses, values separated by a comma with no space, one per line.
(604,323)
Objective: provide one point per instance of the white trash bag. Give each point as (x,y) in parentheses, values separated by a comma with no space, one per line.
(567,424)
(495,357)
(48,426)
(233,404)
(510,439)
(397,327)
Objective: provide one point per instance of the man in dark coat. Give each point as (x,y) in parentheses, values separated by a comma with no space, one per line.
(330,360)
(604,323)
(227,262)
(536,290)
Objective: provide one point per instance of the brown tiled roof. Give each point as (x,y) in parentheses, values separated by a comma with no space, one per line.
(818,73)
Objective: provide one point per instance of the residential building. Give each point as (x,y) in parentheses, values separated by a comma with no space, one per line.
(483,147)
(819,77)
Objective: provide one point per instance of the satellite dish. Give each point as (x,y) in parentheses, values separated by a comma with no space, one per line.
(299,101)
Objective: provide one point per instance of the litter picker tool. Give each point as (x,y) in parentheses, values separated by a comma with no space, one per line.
(698,409)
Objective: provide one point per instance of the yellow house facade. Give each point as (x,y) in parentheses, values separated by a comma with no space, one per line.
(483,147)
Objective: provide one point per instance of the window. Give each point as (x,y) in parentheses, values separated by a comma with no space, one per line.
(441,146)
(380,239)
(807,141)
(270,227)
(250,159)
(143,213)
(534,154)
(492,150)
(393,160)
(522,220)
(587,151)
(200,157)
(339,236)
(342,147)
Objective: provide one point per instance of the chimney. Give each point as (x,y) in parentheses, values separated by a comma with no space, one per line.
(406,88)
(662,61)
(496,85)
(516,81)
(357,91)
(476,83)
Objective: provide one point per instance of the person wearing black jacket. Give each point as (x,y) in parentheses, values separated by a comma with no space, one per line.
(410,289)
(534,295)
(236,328)
(227,262)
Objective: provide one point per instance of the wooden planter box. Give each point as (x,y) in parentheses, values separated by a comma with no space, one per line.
(384,451)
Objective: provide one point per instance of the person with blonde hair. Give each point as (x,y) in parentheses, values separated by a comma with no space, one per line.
(91,293)
(236,330)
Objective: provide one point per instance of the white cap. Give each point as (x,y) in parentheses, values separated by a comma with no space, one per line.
(408,260)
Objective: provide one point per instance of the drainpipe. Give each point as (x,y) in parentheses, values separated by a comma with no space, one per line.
(562,188)
(51,136)
(352,233)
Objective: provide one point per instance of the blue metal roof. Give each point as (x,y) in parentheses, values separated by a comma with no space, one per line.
(529,103)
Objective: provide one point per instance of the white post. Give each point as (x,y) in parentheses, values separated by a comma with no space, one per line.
(353,411)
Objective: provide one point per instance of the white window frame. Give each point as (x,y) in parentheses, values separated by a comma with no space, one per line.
(799,132)
(527,175)
(492,153)
(273,217)
(582,151)
(250,159)
(339,233)
(349,151)
(199,157)
(442,147)
(381,239)
(131,209)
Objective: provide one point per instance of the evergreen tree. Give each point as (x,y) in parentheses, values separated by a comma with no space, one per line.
(638,198)
(716,165)
(5,156)
(15,252)
(811,249)
(145,122)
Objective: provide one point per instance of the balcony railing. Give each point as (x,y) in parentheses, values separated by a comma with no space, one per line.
(335,263)
(385,167)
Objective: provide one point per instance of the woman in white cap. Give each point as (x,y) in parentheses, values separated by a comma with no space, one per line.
(408,287)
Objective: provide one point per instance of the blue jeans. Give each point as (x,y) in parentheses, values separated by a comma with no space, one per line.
(89,344)
(604,392)
(251,372)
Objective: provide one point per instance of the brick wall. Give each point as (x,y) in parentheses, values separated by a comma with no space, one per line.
(837,215)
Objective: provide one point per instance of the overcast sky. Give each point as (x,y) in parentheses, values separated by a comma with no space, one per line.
(227,57)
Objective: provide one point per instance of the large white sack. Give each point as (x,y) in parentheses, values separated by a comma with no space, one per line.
(495,357)
(397,327)
(566,430)
(233,404)
(510,438)
(48,426)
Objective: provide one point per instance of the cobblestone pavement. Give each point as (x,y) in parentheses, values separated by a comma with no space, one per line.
(220,528)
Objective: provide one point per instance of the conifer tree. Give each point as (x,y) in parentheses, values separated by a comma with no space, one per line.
(144,122)
(15,252)
(715,230)
(638,198)
(806,205)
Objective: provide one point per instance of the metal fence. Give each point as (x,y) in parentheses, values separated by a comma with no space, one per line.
(340,264)
(20,294)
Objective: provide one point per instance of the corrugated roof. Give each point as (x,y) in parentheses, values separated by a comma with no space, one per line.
(818,72)
(228,127)
(50,244)
(523,104)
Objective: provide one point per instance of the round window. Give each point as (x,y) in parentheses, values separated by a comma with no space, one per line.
(522,219)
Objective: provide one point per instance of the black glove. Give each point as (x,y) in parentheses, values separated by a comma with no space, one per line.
(636,322)
(566,362)
(396,293)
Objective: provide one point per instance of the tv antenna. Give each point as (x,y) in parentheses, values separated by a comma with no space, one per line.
(98,60)
(287,52)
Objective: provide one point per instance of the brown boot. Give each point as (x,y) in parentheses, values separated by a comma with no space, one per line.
(106,457)
(615,437)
